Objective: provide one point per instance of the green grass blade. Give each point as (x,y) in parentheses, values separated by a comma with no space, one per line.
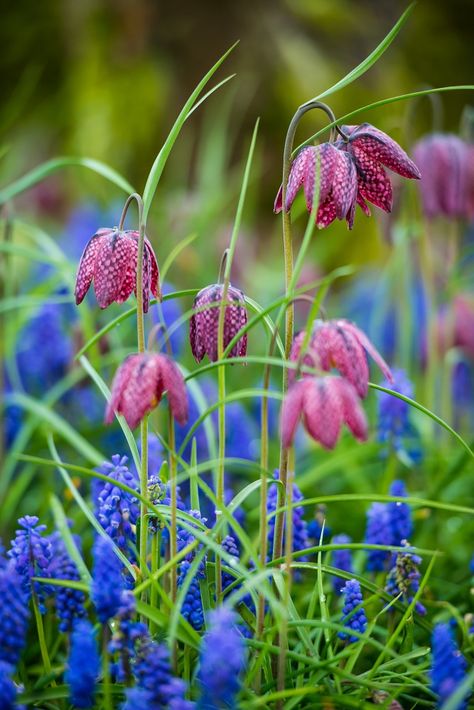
(61,522)
(373,57)
(51,166)
(160,160)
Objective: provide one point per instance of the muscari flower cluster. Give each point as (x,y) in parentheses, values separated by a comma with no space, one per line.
(387,524)
(221,682)
(83,665)
(300,527)
(326,403)
(347,172)
(395,429)
(191,609)
(404,577)
(353,614)
(127,634)
(117,510)
(447,169)
(69,601)
(107,580)
(32,554)
(341,559)
(448,669)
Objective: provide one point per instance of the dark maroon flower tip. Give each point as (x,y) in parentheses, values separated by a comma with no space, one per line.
(341,345)
(139,384)
(324,404)
(109,262)
(204,323)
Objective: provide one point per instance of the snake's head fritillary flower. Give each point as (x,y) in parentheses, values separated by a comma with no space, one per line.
(138,387)
(455,325)
(342,345)
(447,185)
(371,149)
(109,261)
(337,176)
(349,172)
(325,404)
(204,323)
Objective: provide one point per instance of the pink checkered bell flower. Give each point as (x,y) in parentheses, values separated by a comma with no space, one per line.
(109,261)
(139,385)
(447,185)
(204,323)
(324,404)
(342,345)
(351,171)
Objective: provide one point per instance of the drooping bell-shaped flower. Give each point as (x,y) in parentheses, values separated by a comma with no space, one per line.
(447,185)
(204,323)
(325,404)
(339,344)
(337,189)
(349,172)
(138,387)
(109,261)
(455,325)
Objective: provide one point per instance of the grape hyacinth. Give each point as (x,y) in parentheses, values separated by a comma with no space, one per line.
(395,429)
(300,531)
(107,580)
(378,532)
(32,553)
(341,559)
(191,608)
(315,526)
(448,668)
(69,601)
(14,614)
(117,510)
(83,665)
(352,620)
(399,514)
(127,634)
(404,577)
(229,545)
(8,689)
(156,688)
(220,681)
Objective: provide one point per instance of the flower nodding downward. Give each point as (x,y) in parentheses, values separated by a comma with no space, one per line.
(204,323)
(110,262)
(138,387)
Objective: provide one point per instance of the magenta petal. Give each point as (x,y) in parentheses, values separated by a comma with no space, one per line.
(111,273)
(353,414)
(85,271)
(291,412)
(122,376)
(326,213)
(323,165)
(173,383)
(380,147)
(367,345)
(344,185)
(374,183)
(322,410)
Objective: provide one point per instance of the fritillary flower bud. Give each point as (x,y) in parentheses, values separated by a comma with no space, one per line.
(447,185)
(325,404)
(109,261)
(350,171)
(138,387)
(204,323)
(340,344)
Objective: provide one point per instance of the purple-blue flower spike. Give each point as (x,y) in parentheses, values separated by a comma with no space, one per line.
(83,665)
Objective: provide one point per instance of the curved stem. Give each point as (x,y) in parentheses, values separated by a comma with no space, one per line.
(141,349)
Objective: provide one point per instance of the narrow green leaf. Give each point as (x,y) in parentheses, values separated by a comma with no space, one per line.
(61,523)
(160,160)
(51,166)
(373,57)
